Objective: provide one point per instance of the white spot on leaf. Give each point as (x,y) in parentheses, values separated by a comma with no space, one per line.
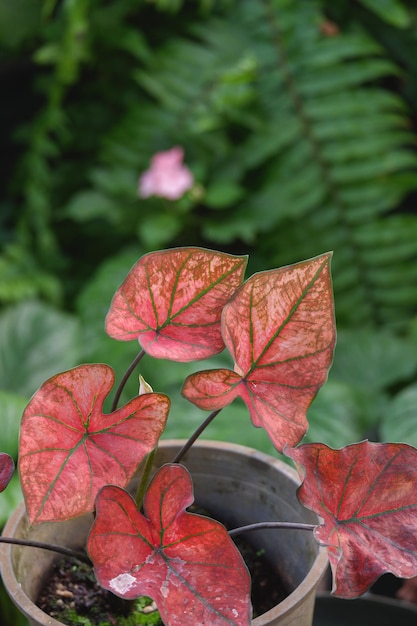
(122,583)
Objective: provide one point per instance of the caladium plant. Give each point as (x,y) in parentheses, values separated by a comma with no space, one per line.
(187,304)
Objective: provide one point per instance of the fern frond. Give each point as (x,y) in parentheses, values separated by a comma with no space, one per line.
(332,160)
(305,124)
(392,11)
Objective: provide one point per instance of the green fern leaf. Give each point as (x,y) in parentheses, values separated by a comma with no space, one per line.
(391,11)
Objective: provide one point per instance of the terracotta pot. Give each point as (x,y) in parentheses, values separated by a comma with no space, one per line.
(235,483)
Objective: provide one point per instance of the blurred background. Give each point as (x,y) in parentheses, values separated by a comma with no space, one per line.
(298,122)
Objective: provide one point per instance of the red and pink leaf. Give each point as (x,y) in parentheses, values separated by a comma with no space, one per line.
(187,563)
(366,497)
(69,448)
(171,301)
(279,328)
(6,470)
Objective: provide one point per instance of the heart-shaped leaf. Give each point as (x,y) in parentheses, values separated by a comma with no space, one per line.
(279,328)
(6,470)
(187,563)
(171,301)
(69,448)
(366,496)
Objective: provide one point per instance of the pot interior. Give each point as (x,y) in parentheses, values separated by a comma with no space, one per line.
(240,488)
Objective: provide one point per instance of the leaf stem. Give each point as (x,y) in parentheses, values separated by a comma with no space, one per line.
(46,546)
(143,484)
(195,436)
(125,378)
(263,525)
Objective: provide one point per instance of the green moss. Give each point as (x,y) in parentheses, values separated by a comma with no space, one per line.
(135,618)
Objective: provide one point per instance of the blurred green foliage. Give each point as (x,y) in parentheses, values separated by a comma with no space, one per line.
(298,120)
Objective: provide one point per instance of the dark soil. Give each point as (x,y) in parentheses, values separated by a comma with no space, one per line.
(72,596)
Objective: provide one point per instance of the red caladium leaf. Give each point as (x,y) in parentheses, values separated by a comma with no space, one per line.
(187,563)
(171,301)
(279,328)
(6,470)
(69,448)
(366,496)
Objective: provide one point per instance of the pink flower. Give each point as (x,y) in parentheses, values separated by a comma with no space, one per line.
(167,177)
